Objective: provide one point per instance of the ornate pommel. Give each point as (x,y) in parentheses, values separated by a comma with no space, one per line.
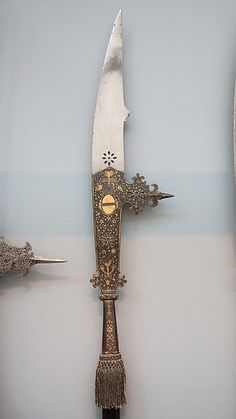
(13,258)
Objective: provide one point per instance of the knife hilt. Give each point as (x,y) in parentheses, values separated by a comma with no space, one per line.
(110,192)
(13,258)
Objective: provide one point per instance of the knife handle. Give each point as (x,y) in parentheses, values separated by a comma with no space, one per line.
(110,192)
(107,207)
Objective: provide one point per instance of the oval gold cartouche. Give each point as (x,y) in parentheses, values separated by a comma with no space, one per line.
(108,204)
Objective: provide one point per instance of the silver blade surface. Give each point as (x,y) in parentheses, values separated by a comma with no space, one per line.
(110,113)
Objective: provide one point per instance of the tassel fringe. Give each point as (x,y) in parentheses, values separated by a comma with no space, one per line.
(110,383)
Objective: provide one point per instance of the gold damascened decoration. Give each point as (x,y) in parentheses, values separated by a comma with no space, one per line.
(110,192)
(108,204)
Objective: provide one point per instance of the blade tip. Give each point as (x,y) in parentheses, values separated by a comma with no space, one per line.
(118,20)
(164,195)
(40,260)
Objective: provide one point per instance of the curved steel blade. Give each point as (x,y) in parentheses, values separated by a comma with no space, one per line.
(110,113)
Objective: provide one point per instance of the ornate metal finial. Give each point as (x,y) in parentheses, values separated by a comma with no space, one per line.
(13,258)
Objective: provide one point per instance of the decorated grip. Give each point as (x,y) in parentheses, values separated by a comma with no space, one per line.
(110,192)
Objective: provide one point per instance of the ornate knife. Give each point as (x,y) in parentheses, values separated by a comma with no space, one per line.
(13,258)
(110,192)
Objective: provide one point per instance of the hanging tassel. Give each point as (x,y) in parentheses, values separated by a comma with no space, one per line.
(110,382)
